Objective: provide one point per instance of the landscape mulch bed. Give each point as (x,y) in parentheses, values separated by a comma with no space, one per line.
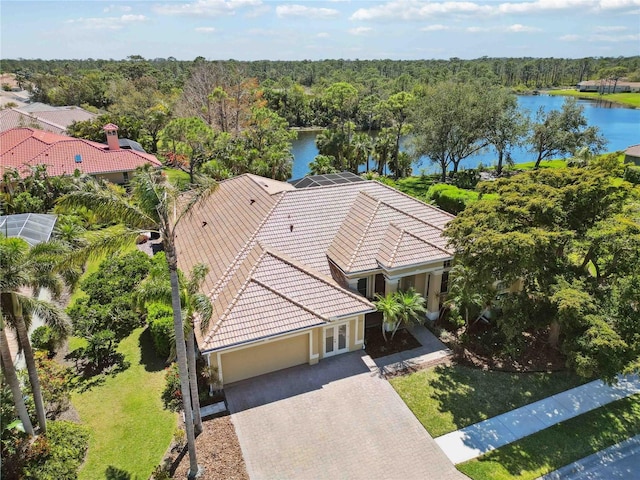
(218,452)
(376,347)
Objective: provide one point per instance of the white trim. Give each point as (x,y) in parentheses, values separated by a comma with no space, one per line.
(312,356)
(219,359)
(356,341)
(335,327)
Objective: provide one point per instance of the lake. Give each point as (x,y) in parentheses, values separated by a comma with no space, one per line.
(619,125)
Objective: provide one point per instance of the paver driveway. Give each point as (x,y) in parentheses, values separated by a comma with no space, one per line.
(334,420)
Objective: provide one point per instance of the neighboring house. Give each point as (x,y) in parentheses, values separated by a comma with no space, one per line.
(21,148)
(43,117)
(632,155)
(292,271)
(608,86)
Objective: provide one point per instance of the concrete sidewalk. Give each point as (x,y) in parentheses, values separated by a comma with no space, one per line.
(482,437)
(621,460)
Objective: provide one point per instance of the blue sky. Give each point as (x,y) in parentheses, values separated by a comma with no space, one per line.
(314,29)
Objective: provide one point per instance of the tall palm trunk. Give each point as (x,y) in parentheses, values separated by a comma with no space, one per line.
(34,380)
(14,384)
(181,354)
(193,380)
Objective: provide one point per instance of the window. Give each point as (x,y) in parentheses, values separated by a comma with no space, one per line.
(362,286)
(125,177)
(407,283)
(444,286)
(447,264)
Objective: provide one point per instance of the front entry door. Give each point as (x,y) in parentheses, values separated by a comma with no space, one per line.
(336,339)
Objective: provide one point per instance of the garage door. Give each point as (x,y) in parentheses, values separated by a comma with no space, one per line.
(264,358)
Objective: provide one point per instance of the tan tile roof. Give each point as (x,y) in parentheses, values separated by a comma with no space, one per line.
(269,294)
(232,215)
(401,248)
(267,243)
(633,151)
(23,147)
(13,118)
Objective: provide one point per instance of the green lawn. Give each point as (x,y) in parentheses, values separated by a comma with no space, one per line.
(558,163)
(560,445)
(130,431)
(447,398)
(630,99)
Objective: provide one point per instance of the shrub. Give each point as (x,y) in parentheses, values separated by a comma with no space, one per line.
(55,381)
(632,174)
(44,338)
(171,395)
(162,335)
(450,198)
(467,178)
(58,455)
(109,304)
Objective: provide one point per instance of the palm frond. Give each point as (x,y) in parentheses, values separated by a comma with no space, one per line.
(108,205)
(190,199)
(50,314)
(203,307)
(100,243)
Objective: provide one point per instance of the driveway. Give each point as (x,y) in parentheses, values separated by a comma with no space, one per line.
(334,420)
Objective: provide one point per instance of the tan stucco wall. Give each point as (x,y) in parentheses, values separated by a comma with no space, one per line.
(113,177)
(264,358)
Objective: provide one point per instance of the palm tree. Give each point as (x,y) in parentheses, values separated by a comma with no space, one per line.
(322,164)
(156,287)
(12,379)
(412,308)
(390,309)
(153,205)
(463,291)
(23,268)
(361,143)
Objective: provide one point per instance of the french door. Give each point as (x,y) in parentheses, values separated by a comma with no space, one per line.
(336,339)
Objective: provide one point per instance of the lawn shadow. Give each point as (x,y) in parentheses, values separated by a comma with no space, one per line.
(148,356)
(113,473)
(471,395)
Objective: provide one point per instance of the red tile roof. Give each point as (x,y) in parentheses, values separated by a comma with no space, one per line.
(24,147)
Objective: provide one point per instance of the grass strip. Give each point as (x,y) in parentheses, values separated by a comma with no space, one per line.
(447,398)
(559,445)
(629,99)
(129,429)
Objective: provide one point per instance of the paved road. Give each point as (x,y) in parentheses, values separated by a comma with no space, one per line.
(334,420)
(619,461)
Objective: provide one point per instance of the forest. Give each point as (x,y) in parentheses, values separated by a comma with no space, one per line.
(226,118)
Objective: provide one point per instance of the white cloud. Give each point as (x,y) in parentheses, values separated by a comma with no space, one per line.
(106,23)
(264,32)
(615,38)
(323,35)
(205,29)
(360,30)
(421,9)
(515,28)
(435,28)
(418,10)
(570,38)
(304,11)
(518,28)
(610,28)
(117,8)
(206,7)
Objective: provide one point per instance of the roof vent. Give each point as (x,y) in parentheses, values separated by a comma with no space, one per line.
(78,158)
(291,228)
(252,201)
